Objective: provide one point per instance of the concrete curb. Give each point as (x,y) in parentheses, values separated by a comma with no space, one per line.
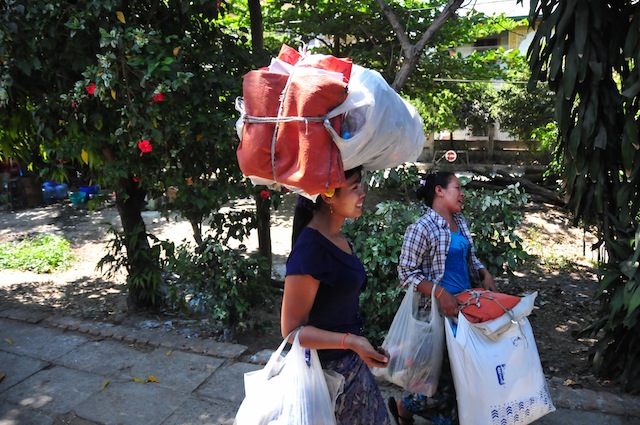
(130,335)
(589,400)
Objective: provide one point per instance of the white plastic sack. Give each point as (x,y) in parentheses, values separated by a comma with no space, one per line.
(385,131)
(498,379)
(416,347)
(288,391)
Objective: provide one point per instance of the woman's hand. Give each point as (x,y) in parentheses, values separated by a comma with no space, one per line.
(448,303)
(372,357)
(487,281)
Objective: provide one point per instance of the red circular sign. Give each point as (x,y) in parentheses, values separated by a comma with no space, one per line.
(451,155)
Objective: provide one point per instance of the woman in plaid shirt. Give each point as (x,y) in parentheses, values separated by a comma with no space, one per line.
(438,255)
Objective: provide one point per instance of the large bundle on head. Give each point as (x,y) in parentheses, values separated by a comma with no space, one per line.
(307,118)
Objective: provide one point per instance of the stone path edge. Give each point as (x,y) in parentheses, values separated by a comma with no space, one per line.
(129,335)
(563,396)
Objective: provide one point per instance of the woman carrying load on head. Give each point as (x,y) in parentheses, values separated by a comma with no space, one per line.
(324,278)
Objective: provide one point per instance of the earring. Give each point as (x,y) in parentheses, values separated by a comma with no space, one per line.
(330,209)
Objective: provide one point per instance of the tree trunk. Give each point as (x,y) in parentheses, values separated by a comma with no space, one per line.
(196,226)
(257,32)
(503,178)
(144,278)
(491,135)
(263,214)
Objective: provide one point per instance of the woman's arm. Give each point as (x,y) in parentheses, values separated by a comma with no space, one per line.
(299,294)
(487,280)
(414,246)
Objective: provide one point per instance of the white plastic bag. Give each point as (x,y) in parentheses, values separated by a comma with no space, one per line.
(290,391)
(496,370)
(416,347)
(385,130)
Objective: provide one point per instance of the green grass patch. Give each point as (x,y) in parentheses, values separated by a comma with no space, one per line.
(40,254)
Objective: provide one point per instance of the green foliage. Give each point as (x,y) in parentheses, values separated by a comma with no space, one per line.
(226,284)
(450,105)
(377,238)
(435,110)
(587,54)
(190,130)
(527,113)
(140,93)
(493,217)
(358,30)
(473,110)
(403,179)
(144,267)
(40,254)
(619,323)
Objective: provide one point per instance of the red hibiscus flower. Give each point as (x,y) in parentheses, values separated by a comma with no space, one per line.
(264,194)
(144,146)
(91,89)
(158,97)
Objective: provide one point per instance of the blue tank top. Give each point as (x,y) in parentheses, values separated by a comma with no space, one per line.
(342,277)
(456,269)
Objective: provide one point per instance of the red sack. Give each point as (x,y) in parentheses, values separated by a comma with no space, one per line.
(302,153)
(327,62)
(481,306)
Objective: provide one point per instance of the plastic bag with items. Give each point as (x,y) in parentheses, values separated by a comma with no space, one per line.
(416,347)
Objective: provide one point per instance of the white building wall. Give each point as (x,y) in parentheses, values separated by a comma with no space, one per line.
(465,134)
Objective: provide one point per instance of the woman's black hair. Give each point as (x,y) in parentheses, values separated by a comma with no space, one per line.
(427,190)
(305,208)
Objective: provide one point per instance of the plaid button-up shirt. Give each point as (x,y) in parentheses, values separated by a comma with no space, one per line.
(425,247)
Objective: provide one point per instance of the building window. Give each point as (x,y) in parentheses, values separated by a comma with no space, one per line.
(489,43)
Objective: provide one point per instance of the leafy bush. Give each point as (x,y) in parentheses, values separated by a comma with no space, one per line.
(493,217)
(41,254)
(403,178)
(144,268)
(224,283)
(617,351)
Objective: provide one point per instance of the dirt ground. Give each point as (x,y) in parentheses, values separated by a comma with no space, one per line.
(562,273)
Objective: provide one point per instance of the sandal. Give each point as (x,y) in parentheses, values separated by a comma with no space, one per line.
(393,408)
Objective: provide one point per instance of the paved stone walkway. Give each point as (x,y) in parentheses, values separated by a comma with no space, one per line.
(62,370)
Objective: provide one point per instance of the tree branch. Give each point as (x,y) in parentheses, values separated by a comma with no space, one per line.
(410,52)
